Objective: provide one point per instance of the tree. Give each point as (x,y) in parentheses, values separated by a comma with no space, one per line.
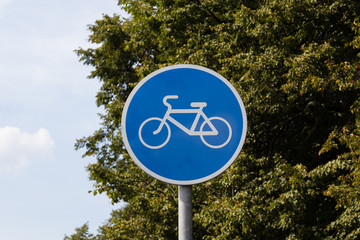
(296,66)
(82,233)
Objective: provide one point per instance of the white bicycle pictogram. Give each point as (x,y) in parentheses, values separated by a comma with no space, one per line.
(159,124)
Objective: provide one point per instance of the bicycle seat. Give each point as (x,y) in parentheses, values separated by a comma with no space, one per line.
(198,104)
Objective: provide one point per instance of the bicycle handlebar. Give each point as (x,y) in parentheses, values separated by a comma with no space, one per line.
(169,97)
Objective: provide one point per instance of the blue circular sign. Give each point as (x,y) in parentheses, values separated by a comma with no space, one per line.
(184,124)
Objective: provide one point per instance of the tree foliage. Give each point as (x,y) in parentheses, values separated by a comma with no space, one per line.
(296,65)
(81,233)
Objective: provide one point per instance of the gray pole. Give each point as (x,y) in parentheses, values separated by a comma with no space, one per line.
(185,212)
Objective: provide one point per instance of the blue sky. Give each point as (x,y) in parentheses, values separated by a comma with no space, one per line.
(46,102)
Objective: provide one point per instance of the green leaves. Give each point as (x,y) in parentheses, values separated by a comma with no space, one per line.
(82,233)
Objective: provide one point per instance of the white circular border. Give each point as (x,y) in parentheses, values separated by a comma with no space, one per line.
(168,180)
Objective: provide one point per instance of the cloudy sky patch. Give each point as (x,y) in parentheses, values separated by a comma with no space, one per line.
(3,3)
(43,84)
(18,148)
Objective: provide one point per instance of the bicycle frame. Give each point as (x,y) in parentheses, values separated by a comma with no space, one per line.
(192,132)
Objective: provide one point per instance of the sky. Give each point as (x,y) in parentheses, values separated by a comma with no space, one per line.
(46,103)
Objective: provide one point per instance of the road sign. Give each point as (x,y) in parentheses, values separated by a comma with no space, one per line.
(184,124)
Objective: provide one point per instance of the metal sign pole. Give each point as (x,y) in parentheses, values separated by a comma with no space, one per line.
(185,212)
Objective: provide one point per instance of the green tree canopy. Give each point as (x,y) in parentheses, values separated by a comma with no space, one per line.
(296,65)
(81,233)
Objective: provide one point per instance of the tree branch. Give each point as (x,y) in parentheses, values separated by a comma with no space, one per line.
(209,12)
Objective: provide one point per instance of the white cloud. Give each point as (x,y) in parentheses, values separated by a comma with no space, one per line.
(18,148)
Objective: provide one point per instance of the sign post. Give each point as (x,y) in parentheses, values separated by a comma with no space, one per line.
(185,212)
(184,125)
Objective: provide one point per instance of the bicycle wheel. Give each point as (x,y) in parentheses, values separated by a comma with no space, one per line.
(224,133)
(149,138)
